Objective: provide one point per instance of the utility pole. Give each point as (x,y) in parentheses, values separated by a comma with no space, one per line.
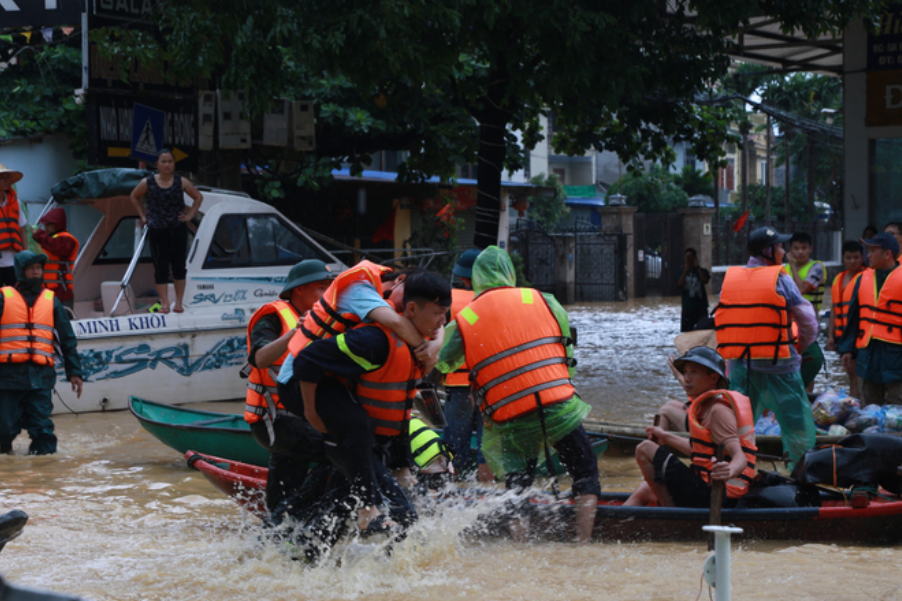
(787,142)
(767,175)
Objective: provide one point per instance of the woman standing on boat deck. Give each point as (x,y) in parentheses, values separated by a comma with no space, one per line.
(166,217)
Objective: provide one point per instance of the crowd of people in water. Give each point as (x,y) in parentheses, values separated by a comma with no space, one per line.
(339,362)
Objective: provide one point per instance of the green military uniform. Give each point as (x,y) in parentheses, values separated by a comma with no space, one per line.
(26,388)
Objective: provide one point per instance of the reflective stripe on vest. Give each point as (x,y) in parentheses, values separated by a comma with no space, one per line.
(27,333)
(459,300)
(58,272)
(525,369)
(262,396)
(842,297)
(10,232)
(751,319)
(387,391)
(879,313)
(816,296)
(703,447)
(425,444)
(324,321)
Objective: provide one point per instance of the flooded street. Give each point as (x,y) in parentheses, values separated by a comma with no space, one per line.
(115,515)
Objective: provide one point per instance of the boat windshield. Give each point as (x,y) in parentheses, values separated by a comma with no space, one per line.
(121,245)
(257,240)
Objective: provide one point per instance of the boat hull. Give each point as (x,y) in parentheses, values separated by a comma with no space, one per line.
(878,523)
(217,434)
(177,359)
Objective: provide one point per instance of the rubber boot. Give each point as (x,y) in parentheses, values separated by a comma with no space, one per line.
(6,448)
(43,445)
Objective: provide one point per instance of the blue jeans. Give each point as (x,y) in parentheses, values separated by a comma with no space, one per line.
(463,418)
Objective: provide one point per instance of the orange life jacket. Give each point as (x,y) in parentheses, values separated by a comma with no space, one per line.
(387,392)
(841,299)
(459,300)
(10,233)
(262,397)
(704,448)
(58,270)
(324,320)
(751,319)
(27,333)
(879,314)
(526,368)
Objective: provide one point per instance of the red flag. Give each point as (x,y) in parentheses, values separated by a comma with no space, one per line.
(740,222)
(386,231)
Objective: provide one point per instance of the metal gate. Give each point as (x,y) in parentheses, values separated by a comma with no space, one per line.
(536,249)
(659,253)
(600,267)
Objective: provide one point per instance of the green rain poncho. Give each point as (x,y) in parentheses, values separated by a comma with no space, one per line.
(509,447)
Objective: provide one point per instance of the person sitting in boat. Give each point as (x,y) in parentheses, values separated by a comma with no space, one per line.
(359,385)
(61,248)
(517,344)
(274,416)
(717,416)
(34,329)
(358,295)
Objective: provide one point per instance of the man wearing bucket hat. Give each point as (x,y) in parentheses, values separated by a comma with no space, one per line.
(874,324)
(291,441)
(12,220)
(759,305)
(717,416)
(34,331)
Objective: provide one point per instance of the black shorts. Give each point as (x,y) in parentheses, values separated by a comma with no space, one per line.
(686,487)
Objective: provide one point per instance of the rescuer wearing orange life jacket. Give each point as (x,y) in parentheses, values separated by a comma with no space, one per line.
(517,344)
(12,220)
(275,420)
(874,324)
(759,305)
(34,331)
(358,387)
(356,296)
(716,416)
(841,294)
(461,413)
(61,248)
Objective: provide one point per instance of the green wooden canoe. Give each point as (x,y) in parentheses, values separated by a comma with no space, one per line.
(208,432)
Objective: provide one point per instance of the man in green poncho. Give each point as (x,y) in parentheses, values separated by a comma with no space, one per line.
(516,342)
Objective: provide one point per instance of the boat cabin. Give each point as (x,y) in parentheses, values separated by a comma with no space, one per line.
(239,253)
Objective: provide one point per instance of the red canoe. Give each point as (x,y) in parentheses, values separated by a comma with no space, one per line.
(834,521)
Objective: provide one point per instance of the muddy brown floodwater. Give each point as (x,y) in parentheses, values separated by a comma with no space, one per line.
(115,515)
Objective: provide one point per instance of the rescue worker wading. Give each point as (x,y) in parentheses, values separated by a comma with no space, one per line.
(358,389)
(61,248)
(516,342)
(30,320)
(293,444)
(874,324)
(461,413)
(758,306)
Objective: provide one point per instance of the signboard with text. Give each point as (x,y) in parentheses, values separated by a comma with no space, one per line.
(884,49)
(40,13)
(113,120)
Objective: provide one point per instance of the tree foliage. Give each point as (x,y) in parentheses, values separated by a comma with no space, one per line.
(38,82)
(653,191)
(620,76)
(547,211)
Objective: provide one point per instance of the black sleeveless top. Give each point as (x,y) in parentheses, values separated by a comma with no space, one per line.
(164,204)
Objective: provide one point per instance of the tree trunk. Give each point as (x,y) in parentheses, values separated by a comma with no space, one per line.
(787,143)
(767,176)
(493,119)
(810,184)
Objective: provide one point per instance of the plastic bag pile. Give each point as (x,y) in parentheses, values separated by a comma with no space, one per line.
(838,414)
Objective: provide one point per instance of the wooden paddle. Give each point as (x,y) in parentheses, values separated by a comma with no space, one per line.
(717,488)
